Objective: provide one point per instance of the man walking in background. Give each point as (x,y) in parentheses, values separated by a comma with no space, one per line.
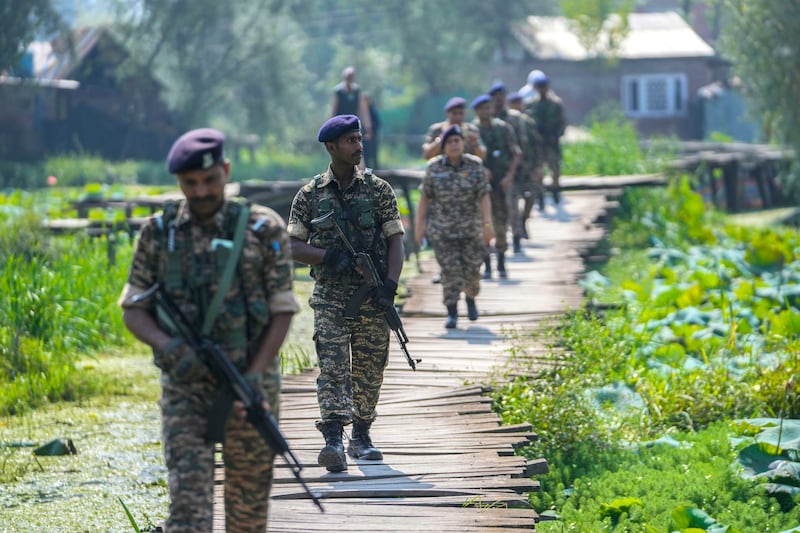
(503,156)
(548,112)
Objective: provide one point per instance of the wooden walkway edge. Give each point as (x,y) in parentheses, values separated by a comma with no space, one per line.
(449,466)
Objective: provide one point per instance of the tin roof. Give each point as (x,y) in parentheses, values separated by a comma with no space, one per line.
(650,35)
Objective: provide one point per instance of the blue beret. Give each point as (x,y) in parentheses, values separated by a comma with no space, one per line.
(514,97)
(454,102)
(541,80)
(496,88)
(196,149)
(455,129)
(335,127)
(482,99)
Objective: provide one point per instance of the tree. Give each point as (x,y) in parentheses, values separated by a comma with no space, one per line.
(22,21)
(760,37)
(238,62)
(601,25)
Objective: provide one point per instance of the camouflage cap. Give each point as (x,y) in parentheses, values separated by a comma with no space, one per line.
(196,149)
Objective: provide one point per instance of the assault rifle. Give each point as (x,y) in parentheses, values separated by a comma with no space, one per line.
(219,363)
(369,272)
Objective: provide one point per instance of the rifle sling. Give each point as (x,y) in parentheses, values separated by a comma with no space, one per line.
(227,274)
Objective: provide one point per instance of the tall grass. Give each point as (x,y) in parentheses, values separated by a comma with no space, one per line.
(57,304)
(612,148)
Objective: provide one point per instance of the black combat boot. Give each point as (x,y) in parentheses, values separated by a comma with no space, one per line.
(452,316)
(517,244)
(487,267)
(501,264)
(556,195)
(332,455)
(360,446)
(472,311)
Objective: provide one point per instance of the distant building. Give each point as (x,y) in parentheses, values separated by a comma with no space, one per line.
(67,95)
(658,68)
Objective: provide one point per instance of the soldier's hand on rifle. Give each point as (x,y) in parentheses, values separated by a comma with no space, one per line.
(383,296)
(187,366)
(338,261)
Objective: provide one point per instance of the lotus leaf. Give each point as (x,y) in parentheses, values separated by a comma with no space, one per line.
(783,473)
(756,458)
(687,518)
(619,506)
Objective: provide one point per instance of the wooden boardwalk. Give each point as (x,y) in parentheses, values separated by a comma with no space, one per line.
(448,463)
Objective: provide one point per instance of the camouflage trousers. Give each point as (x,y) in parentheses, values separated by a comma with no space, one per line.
(190,460)
(460,262)
(500,200)
(515,212)
(352,355)
(551,156)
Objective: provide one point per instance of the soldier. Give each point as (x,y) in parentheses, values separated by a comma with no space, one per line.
(516,191)
(503,156)
(352,354)
(456,112)
(527,92)
(454,212)
(531,182)
(548,112)
(186,250)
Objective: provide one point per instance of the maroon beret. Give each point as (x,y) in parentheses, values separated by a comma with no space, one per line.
(196,149)
(335,127)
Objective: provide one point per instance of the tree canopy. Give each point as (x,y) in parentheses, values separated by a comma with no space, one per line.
(22,21)
(761,38)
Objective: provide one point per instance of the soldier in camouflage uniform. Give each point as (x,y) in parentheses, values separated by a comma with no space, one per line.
(454,212)
(183,250)
(548,112)
(531,183)
(503,156)
(519,184)
(352,353)
(456,111)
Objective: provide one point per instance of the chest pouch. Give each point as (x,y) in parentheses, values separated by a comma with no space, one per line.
(363,214)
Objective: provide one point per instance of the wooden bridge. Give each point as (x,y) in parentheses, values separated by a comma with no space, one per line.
(449,466)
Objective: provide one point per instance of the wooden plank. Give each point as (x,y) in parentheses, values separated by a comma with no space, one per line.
(447,459)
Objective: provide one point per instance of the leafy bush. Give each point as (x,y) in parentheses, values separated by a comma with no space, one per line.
(700,325)
(612,149)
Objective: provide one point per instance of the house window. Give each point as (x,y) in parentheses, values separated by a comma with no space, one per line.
(654,95)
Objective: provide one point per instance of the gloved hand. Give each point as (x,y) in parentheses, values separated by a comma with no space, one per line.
(383,296)
(188,366)
(337,261)
(179,361)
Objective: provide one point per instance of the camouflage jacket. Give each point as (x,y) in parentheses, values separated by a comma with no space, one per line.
(185,257)
(455,194)
(529,145)
(368,214)
(501,145)
(549,116)
(436,129)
